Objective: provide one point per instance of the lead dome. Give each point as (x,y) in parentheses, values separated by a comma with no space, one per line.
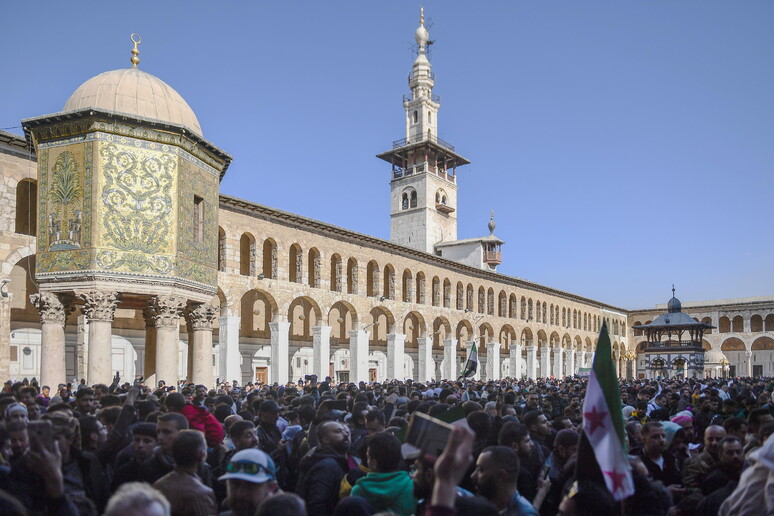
(135,93)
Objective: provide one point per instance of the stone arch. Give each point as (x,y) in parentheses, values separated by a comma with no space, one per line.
(342,318)
(523,308)
(441,331)
(545,318)
(446,293)
(527,337)
(295,264)
(756,323)
(737,324)
(485,330)
(27,207)
(269,269)
(353,280)
(706,320)
(530,311)
(481,300)
(763,343)
(502,304)
(420,288)
(314,268)
(554,339)
(257,309)
(513,309)
(435,287)
(469,298)
(247,254)
(372,283)
(490,303)
(506,336)
(577,344)
(407,287)
(15,257)
(768,324)
(464,331)
(588,346)
(220,301)
(724,325)
(382,323)
(460,296)
(414,327)
(21,287)
(337,274)
(733,344)
(542,339)
(389,282)
(303,314)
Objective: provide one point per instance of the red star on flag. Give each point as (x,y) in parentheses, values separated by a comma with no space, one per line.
(595,419)
(617,479)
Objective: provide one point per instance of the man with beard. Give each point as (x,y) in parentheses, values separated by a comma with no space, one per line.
(661,465)
(495,477)
(322,469)
(250,480)
(721,482)
(696,468)
(565,446)
(516,437)
(143,443)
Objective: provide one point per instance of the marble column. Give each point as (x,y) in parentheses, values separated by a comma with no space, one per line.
(230,362)
(450,359)
(200,319)
(5,337)
(748,354)
(589,359)
(149,358)
(558,362)
(570,362)
(321,351)
(53,313)
(492,361)
(99,307)
(396,343)
(358,356)
(425,360)
(516,360)
(279,371)
(545,361)
(579,360)
(166,312)
(531,362)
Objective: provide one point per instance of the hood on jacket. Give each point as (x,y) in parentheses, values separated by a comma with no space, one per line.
(387,491)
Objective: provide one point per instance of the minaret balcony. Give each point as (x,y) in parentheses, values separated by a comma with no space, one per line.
(443,208)
(422,138)
(399,172)
(493,257)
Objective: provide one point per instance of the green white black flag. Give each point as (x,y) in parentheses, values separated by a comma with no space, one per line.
(471,366)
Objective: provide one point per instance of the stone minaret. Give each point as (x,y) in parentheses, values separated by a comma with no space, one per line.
(423,189)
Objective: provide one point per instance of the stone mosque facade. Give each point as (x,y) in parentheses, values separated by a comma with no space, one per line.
(118,254)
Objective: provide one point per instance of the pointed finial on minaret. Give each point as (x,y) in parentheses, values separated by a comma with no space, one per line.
(421,35)
(136,39)
(492,224)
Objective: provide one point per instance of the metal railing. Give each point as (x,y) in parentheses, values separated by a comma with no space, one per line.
(422,138)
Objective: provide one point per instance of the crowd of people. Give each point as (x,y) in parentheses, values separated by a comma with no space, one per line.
(696,447)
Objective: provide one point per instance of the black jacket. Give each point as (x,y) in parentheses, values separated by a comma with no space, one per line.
(321,471)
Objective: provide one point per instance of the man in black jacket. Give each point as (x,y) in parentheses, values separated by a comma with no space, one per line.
(323,468)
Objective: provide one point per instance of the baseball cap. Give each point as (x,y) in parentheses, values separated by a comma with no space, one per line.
(269,406)
(251,465)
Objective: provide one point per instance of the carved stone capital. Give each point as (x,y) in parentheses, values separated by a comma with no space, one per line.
(166,310)
(99,305)
(52,307)
(200,316)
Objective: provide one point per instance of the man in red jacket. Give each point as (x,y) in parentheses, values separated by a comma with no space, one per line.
(199,418)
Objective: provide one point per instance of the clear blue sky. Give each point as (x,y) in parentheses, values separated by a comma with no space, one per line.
(624,146)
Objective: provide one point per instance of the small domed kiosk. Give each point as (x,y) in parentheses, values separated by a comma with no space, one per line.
(127,217)
(674,343)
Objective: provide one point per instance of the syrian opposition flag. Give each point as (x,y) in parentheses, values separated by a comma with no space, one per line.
(471,366)
(603,425)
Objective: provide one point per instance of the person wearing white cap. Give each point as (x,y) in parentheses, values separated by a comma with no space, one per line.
(251,478)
